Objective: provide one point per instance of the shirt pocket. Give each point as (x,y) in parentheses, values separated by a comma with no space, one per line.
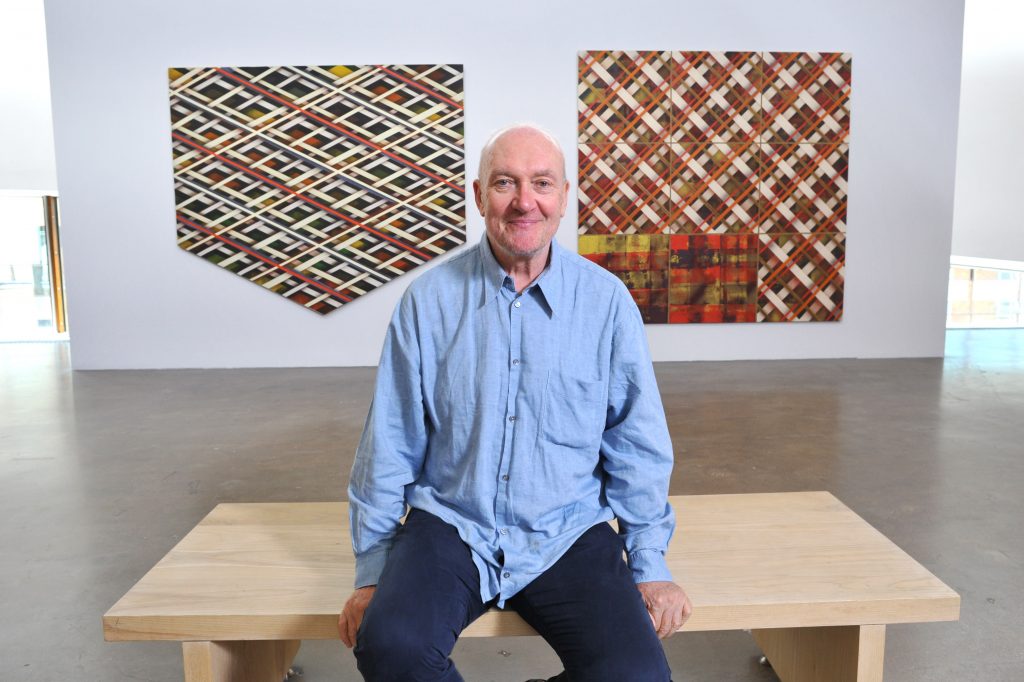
(574,412)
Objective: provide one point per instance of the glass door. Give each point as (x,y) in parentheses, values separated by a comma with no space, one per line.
(31,281)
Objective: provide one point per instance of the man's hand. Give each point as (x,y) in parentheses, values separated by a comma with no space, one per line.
(352,614)
(668,605)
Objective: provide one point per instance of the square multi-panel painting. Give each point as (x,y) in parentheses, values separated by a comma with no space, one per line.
(319,183)
(714,183)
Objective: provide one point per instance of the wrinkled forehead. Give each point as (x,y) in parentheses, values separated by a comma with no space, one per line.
(522,150)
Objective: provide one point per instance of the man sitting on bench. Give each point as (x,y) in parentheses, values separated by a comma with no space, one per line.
(515,413)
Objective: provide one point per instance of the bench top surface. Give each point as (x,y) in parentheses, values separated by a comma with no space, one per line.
(283,571)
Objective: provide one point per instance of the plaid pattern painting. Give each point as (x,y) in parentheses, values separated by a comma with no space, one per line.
(806,96)
(803,188)
(800,277)
(624,185)
(739,158)
(319,183)
(641,262)
(624,96)
(716,96)
(715,188)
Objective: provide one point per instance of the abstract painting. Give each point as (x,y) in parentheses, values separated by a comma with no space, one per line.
(714,184)
(319,183)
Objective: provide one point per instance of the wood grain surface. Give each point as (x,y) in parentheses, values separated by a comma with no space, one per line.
(756,561)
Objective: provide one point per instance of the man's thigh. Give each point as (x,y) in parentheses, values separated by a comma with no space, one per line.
(428,593)
(588,608)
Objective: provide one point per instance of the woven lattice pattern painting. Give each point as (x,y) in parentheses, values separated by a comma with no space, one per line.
(714,184)
(319,183)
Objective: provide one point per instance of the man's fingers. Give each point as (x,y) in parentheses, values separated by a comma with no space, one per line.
(662,622)
(351,631)
(668,621)
(343,630)
(672,623)
(667,604)
(347,626)
(352,620)
(677,617)
(668,628)
(352,614)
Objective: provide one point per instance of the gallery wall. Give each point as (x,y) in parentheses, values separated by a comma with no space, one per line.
(136,300)
(986,220)
(26,129)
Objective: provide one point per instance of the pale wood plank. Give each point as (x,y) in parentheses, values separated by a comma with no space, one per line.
(871,660)
(825,654)
(781,560)
(198,658)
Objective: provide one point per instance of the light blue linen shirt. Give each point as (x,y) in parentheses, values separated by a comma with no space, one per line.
(522,420)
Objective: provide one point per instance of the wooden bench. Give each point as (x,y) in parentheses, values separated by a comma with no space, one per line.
(813,582)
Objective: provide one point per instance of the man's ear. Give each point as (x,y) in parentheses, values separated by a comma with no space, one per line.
(478,195)
(565,199)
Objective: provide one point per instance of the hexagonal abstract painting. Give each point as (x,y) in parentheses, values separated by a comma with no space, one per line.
(319,183)
(713,184)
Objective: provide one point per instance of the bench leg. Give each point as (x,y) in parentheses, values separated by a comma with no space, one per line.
(829,654)
(253,661)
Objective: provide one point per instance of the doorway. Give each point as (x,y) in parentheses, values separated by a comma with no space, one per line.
(31,274)
(985,294)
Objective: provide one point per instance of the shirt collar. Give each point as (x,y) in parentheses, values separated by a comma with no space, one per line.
(491,272)
(549,284)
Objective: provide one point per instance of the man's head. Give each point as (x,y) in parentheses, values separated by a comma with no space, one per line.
(522,192)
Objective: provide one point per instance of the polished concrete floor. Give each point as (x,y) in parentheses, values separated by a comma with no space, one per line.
(104,471)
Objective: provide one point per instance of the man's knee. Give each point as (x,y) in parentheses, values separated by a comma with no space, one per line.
(618,670)
(388,649)
(617,664)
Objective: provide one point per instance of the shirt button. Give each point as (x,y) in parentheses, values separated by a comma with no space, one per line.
(503,531)
(504,477)
(515,362)
(518,303)
(512,418)
(506,575)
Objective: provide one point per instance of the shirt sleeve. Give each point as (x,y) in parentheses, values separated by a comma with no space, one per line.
(391,451)
(636,450)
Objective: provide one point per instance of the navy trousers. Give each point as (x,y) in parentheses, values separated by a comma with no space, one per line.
(585,606)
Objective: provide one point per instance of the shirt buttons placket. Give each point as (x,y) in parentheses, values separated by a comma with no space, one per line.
(516,319)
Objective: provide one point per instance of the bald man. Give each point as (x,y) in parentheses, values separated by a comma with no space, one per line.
(515,414)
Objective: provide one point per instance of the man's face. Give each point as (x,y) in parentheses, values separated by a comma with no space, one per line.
(523,196)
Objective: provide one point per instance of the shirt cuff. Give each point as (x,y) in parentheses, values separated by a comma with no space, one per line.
(370,565)
(649,565)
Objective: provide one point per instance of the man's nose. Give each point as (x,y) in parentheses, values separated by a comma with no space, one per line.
(524,198)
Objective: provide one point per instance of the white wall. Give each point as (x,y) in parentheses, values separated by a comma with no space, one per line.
(987,222)
(136,300)
(26,128)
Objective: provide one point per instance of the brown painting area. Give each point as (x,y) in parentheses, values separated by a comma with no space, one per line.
(714,184)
